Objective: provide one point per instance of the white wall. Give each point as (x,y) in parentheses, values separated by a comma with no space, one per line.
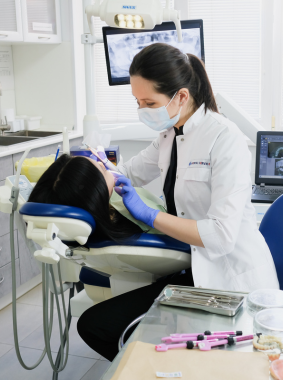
(44,82)
(44,77)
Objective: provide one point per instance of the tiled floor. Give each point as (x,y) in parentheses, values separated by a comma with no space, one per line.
(83,363)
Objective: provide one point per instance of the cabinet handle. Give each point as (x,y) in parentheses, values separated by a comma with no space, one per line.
(44,38)
(3,35)
(1,280)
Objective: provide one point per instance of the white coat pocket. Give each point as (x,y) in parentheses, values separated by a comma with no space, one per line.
(197,174)
(197,189)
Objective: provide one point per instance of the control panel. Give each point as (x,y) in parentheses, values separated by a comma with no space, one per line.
(24,185)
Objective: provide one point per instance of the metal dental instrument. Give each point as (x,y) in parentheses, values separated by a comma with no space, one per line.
(208,294)
(208,302)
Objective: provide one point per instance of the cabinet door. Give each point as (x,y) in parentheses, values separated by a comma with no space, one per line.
(10,21)
(41,21)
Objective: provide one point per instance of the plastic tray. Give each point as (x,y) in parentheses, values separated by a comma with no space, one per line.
(264,299)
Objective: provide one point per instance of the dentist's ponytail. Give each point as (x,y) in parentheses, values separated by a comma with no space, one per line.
(170,70)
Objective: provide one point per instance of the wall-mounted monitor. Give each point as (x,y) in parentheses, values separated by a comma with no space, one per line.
(121,45)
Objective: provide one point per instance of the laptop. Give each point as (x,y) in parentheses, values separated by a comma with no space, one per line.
(269,167)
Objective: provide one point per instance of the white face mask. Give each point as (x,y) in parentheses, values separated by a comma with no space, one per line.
(158,118)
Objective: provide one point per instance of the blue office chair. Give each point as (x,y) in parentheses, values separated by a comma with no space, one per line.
(271,228)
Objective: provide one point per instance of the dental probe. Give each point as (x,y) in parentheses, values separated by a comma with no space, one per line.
(170,339)
(104,159)
(207,332)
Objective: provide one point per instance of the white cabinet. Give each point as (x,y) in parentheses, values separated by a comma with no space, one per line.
(41,21)
(10,21)
(30,21)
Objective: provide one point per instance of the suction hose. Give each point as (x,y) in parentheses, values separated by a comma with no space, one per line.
(47,270)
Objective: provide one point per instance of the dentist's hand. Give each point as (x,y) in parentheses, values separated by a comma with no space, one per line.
(133,202)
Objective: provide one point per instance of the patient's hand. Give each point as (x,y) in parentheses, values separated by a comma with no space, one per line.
(133,202)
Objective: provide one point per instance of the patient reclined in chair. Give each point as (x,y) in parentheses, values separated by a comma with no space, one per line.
(84,183)
(118,250)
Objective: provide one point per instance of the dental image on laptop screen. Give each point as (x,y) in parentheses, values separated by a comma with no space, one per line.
(271,156)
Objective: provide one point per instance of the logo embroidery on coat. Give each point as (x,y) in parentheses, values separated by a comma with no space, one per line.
(199,163)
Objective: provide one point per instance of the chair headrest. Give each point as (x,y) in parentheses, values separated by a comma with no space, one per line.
(57,211)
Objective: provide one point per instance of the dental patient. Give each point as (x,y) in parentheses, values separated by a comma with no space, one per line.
(84,183)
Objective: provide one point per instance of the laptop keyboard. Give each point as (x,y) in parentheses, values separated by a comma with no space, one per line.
(268,191)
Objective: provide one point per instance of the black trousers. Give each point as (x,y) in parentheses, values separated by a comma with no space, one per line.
(102,325)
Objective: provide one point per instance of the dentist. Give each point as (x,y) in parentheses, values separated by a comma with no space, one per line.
(204,164)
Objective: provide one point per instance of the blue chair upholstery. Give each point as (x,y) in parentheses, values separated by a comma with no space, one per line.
(144,240)
(89,276)
(271,228)
(57,211)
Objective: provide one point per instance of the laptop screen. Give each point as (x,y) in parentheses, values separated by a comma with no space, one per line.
(270,157)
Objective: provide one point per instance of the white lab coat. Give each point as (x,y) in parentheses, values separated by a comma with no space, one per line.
(213,186)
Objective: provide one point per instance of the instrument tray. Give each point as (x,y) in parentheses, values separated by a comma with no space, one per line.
(214,301)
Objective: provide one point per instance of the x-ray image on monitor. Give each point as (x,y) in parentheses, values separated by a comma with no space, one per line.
(122,45)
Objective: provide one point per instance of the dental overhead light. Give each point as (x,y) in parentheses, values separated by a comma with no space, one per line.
(133,14)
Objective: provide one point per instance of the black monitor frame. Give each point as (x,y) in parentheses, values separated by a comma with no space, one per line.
(266,181)
(107,30)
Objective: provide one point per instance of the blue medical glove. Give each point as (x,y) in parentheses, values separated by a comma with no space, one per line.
(133,202)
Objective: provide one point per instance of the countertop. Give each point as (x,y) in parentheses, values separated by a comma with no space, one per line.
(38,143)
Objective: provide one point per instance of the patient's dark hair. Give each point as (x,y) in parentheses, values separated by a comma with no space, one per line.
(75,181)
(170,70)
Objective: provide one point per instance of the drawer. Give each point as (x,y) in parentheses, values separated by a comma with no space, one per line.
(6,167)
(29,266)
(6,278)
(5,251)
(4,223)
(4,219)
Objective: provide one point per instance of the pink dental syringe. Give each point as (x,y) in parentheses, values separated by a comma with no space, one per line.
(206,345)
(207,332)
(189,345)
(170,339)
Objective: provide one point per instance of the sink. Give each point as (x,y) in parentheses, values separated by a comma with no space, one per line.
(32,133)
(11,140)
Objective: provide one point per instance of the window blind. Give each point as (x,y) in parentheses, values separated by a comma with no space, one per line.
(232,45)
(114,104)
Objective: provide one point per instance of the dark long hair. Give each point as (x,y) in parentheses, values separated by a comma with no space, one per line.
(170,70)
(75,181)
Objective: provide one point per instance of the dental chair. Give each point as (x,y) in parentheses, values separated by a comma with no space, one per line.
(271,228)
(106,268)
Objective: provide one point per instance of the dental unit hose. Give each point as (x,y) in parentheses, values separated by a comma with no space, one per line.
(47,272)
